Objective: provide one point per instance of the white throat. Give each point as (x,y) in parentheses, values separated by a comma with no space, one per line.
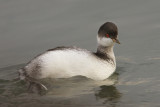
(106,42)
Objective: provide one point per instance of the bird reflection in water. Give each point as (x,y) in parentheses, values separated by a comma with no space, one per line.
(109,94)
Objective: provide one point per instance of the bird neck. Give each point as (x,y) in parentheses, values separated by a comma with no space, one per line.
(106,51)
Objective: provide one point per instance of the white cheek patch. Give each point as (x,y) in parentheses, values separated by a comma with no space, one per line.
(105,41)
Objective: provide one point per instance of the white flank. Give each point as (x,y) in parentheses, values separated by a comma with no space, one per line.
(68,63)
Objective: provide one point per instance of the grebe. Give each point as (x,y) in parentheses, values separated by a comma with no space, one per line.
(65,62)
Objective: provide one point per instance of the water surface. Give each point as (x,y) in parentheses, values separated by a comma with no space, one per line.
(29,27)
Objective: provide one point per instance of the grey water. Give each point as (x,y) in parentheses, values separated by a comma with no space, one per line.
(29,27)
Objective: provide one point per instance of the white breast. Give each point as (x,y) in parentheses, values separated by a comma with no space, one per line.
(68,63)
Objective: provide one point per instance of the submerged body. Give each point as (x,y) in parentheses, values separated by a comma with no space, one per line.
(65,62)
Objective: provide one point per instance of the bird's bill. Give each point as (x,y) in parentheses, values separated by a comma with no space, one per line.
(116,40)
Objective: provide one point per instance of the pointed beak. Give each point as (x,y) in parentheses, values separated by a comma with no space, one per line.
(116,40)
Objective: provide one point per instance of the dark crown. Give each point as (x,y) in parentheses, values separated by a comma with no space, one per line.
(108,28)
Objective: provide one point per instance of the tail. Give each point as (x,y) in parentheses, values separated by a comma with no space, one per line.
(32,80)
(21,74)
(24,76)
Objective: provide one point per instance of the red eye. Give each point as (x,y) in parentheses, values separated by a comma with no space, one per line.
(107,35)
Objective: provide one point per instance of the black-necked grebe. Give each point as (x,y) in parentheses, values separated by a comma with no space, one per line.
(65,62)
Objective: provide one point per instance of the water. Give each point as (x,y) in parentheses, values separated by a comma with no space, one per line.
(29,27)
